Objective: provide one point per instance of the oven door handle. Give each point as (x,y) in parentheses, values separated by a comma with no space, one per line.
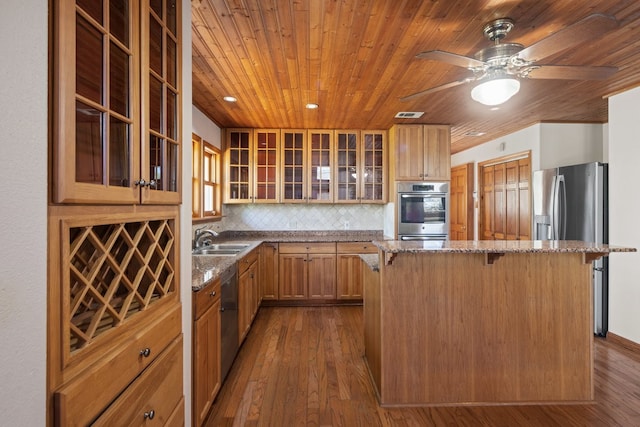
(414,195)
(425,237)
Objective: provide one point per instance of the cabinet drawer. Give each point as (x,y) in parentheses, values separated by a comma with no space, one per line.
(205,297)
(308,248)
(153,396)
(356,248)
(247,261)
(83,398)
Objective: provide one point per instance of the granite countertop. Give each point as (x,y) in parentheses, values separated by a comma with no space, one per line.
(205,268)
(497,246)
(372,261)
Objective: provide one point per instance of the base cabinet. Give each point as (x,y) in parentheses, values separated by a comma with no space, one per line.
(248,292)
(307,271)
(206,350)
(269,271)
(349,269)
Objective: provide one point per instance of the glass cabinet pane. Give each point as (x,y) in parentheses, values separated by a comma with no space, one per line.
(119,80)
(93,8)
(119,20)
(90,65)
(155,45)
(88,148)
(293,150)
(119,153)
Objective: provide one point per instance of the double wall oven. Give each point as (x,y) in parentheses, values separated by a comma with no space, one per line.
(423,211)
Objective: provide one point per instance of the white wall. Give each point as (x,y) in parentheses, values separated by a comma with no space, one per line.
(205,128)
(23,212)
(185,209)
(563,144)
(624,205)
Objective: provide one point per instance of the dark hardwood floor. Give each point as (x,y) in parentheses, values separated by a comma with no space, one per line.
(304,366)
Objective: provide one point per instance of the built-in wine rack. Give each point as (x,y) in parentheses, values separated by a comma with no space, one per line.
(115,271)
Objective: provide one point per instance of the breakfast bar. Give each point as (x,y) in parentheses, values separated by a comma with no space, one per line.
(481,322)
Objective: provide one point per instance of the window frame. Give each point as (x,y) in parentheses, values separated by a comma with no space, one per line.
(202,149)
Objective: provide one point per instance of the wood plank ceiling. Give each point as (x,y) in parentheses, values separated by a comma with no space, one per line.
(356,59)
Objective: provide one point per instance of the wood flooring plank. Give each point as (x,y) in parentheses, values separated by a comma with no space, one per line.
(304,366)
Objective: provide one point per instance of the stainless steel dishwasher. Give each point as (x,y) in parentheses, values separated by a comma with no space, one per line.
(228,318)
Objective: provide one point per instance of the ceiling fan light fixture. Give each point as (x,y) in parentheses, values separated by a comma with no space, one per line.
(495,91)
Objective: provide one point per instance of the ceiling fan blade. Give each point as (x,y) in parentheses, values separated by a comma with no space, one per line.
(437,88)
(571,72)
(450,58)
(588,28)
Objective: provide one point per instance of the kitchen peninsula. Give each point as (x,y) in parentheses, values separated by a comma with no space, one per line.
(481,322)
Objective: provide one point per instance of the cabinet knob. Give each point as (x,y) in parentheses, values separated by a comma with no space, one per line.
(150,414)
(146,352)
(140,182)
(212,294)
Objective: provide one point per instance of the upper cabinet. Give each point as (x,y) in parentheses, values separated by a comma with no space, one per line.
(422,152)
(360,167)
(305,166)
(117,102)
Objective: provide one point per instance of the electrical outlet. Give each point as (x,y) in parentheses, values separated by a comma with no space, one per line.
(346,225)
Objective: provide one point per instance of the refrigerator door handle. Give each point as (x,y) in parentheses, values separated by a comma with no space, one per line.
(562,207)
(554,208)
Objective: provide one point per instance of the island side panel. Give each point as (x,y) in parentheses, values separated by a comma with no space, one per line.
(457,330)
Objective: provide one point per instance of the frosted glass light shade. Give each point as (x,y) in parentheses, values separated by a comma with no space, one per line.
(496,91)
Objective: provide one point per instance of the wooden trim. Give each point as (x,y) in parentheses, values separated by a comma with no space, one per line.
(625,343)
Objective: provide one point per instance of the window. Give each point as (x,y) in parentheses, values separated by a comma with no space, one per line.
(206,185)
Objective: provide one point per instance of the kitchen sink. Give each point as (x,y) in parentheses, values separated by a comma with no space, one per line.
(224,249)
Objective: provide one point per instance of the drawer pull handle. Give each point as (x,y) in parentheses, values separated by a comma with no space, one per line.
(146,352)
(212,294)
(150,414)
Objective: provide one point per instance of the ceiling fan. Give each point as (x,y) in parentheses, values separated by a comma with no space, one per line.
(499,67)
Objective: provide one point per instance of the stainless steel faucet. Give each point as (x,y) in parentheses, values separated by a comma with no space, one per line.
(200,234)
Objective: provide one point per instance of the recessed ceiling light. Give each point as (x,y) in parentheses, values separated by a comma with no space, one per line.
(311,106)
(230,98)
(474,133)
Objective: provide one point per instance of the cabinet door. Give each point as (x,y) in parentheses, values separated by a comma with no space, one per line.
(511,199)
(293,276)
(499,201)
(487,200)
(373,181)
(161,99)
(96,156)
(409,152)
(206,361)
(269,271)
(347,165)
(322,276)
(294,166)
(320,174)
(267,154)
(349,276)
(437,153)
(524,199)
(238,161)
(245,301)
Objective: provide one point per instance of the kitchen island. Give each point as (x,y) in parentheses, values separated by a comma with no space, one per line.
(481,322)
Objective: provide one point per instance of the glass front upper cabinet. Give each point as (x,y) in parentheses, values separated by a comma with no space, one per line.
(239,171)
(320,166)
(267,154)
(97,136)
(293,166)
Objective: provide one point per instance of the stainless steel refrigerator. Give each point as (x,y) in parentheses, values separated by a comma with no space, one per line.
(571,203)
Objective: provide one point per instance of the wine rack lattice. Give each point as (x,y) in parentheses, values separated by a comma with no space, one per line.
(115,271)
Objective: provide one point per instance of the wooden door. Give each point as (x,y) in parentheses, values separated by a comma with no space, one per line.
(524,199)
(292,274)
(349,276)
(409,152)
(269,271)
(511,199)
(461,203)
(322,276)
(487,204)
(499,202)
(437,153)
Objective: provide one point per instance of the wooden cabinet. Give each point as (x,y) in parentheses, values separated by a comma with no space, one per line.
(320,174)
(422,152)
(505,199)
(248,292)
(349,269)
(294,166)
(110,313)
(268,264)
(307,271)
(360,166)
(239,173)
(117,102)
(267,159)
(206,350)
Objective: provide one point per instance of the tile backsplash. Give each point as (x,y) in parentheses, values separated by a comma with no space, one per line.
(271,217)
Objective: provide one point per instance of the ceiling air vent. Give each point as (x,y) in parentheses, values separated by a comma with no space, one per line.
(409,114)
